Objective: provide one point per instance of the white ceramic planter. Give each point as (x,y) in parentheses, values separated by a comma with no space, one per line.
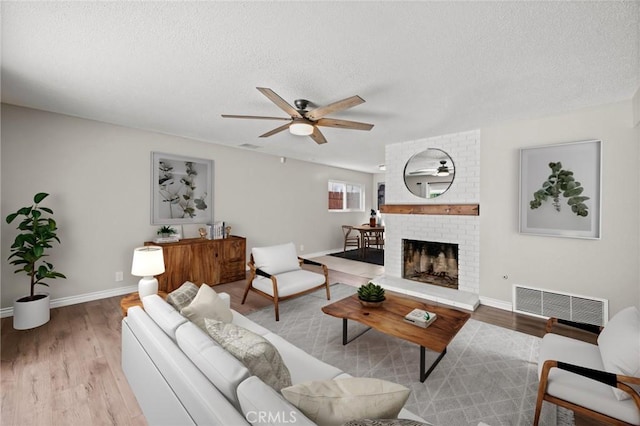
(31,314)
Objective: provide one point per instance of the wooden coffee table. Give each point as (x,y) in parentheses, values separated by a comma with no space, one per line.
(388,319)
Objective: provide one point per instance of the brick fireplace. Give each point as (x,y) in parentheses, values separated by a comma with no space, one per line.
(462,231)
(430,262)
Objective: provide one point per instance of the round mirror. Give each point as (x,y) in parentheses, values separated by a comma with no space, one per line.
(429,173)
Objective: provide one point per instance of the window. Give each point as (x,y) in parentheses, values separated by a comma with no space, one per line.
(345,196)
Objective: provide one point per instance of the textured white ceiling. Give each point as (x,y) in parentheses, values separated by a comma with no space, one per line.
(424,68)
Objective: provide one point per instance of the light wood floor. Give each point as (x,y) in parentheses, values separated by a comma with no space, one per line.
(67,372)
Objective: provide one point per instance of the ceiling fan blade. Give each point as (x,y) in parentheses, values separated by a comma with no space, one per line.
(256,117)
(317,136)
(343,124)
(334,107)
(281,103)
(276,130)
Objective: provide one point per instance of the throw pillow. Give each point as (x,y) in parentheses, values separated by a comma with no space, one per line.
(255,352)
(207,304)
(619,345)
(183,295)
(333,402)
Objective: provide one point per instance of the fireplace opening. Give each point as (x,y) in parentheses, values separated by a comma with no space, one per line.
(430,262)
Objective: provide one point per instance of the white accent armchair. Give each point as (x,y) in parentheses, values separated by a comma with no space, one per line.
(600,381)
(276,273)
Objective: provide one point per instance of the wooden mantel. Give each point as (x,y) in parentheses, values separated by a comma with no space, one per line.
(437,209)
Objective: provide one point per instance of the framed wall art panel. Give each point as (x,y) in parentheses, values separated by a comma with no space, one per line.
(181,189)
(560,189)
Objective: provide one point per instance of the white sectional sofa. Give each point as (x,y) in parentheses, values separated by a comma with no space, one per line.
(181,376)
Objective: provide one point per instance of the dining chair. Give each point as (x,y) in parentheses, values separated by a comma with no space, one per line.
(350,240)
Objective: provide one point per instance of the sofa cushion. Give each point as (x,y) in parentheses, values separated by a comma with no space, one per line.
(276,259)
(262,405)
(218,365)
(256,353)
(619,345)
(163,314)
(183,295)
(333,402)
(207,304)
(290,282)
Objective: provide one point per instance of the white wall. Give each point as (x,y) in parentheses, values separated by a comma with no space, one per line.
(98,176)
(607,268)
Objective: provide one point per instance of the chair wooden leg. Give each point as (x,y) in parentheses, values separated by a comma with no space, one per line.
(275,304)
(246,292)
(328,291)
(542,388)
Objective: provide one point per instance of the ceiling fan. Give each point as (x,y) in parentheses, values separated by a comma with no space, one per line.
(442,170)
(305,123)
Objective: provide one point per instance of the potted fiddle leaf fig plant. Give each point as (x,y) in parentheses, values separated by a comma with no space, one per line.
(38,231)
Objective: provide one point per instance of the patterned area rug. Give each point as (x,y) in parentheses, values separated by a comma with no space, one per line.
(489,373)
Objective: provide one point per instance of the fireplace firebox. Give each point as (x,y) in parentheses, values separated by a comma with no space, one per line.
(430,262)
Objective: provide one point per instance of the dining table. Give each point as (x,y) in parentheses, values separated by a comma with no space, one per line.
(364,230)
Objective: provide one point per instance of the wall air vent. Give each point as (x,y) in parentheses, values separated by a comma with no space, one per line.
(546,303)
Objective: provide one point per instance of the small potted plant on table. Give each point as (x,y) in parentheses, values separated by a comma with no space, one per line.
(371,295)
(38,232)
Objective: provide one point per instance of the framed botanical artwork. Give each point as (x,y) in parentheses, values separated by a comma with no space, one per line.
(181,189)
(560,189)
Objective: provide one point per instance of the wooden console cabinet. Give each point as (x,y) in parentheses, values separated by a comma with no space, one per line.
(202,261)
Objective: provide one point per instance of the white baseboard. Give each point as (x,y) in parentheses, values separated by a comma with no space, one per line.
(81,298)
(495,303)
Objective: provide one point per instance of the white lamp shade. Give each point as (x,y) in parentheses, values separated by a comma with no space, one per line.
(147,261)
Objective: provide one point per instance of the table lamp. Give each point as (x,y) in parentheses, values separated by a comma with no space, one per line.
(147,262)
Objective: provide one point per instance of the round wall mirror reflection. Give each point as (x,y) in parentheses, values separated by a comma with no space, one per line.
(429,174)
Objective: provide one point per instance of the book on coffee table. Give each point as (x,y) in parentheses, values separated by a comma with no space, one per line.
(420,318)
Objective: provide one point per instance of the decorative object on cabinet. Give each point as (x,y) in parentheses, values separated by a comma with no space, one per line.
(192,230)
(560,189)
(181,189)
(147,262)
(38,232)
(168,234)
(202,261)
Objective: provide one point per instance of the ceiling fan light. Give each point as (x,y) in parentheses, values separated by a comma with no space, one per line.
(301,128)
(443,170)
